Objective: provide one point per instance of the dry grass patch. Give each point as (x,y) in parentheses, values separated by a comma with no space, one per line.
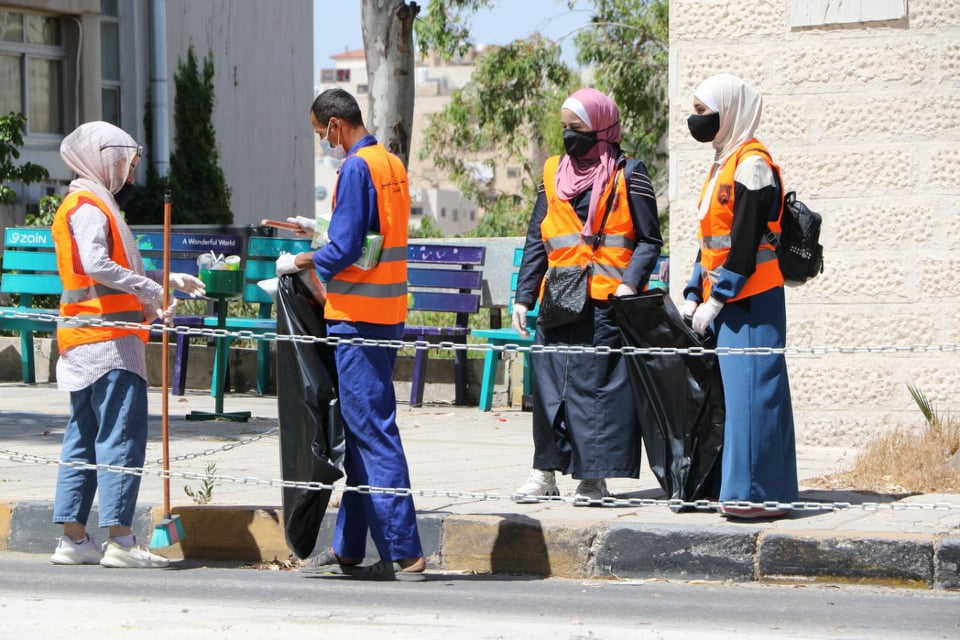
(907,460)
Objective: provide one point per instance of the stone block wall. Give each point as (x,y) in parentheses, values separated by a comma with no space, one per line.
(859,112)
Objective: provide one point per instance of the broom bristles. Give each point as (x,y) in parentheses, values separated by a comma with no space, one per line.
(168,532)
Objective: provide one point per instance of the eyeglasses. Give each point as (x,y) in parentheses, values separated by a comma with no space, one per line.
(138,147)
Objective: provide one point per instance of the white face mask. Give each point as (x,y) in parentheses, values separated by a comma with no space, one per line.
(334,151)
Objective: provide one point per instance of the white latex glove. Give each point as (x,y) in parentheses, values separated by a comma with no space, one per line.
(519,319)
(705,315)
(187,283)
(624,289)
(307,225)
(286,264)
(168,314)
(689,308)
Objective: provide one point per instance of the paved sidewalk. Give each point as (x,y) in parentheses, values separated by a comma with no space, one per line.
(463,450)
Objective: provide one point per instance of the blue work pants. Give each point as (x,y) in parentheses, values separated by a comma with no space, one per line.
(374,457)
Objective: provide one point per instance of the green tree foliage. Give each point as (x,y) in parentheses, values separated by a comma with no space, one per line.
(146,205)
(427,229)
(200,192)
(446,27)
(46,211)
(509,113)
(12,126)
(506,115)
(627,44)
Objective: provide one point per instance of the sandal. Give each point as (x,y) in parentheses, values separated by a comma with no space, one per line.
(386,571)
(326,562)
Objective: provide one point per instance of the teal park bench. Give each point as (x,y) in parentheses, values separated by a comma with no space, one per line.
(503,337)
(508,336)
(30,270)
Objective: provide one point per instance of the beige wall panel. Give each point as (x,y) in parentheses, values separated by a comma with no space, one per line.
(725,20)
(861,118)
(933,14)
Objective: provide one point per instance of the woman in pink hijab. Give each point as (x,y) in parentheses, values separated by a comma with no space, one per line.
(596,210)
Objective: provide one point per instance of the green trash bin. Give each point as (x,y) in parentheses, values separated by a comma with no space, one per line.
(222,283)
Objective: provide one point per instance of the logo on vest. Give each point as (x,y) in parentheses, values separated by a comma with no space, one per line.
(724,192)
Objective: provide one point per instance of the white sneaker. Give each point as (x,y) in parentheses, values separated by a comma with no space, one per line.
(138,556)
(590,490)
(540,483)
(87,551)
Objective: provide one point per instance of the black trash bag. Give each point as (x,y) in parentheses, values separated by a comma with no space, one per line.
(679,398)
(311,429)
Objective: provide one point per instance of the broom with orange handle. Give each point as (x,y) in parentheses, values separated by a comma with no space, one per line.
(169,530)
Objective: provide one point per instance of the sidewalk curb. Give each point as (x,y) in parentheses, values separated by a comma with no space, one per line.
(507,544)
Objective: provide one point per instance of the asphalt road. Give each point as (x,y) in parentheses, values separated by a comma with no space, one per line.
(193,601)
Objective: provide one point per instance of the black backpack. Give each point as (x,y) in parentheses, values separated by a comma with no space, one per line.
(798,248)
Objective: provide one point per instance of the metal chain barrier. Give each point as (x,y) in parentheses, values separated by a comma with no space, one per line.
(675,505)
(210,452)
(455,346)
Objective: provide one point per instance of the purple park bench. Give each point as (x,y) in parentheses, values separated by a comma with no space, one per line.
(446,279)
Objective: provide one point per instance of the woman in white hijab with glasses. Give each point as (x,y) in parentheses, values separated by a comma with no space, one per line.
(103,366)
(736,291)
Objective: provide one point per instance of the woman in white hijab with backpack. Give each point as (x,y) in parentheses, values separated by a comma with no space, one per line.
(736,291)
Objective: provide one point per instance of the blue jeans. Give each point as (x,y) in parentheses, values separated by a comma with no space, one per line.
(107,426)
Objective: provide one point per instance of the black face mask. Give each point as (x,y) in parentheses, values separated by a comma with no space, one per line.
(578,143)
(704,128)
(123,196)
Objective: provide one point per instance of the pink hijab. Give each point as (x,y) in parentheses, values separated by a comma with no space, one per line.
(574,175)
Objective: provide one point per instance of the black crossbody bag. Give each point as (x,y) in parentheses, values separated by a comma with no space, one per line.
(566,289)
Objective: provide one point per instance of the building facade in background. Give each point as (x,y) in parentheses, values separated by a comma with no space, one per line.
(432,194)
(859,113)
(65,62)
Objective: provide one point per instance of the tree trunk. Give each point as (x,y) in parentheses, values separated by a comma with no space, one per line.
(389,50)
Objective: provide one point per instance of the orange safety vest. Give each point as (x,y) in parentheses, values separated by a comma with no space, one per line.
(715,227)
(377,295)
(84,297)
(561,231)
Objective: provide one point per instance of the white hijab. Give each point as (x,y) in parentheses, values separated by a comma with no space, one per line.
(100,154)
(739,106)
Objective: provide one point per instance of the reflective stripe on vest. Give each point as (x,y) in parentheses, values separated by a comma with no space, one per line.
(367,289)
(119,316)
(715,228)
(83,297)
(573,239)
(377,295)
(96,290)
(561,232)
